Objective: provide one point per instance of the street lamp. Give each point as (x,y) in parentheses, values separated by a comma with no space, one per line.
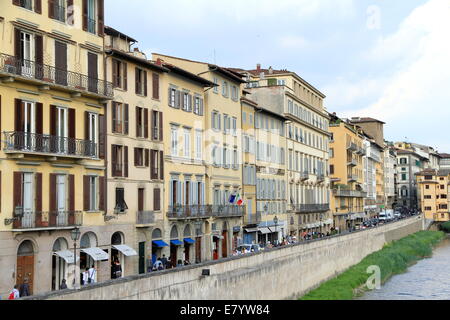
(275,220)
(75,235)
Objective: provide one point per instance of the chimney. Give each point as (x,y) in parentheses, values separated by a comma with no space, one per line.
(136,49)
(159,62)
(258,68)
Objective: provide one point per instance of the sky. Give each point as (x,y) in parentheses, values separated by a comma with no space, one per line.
(388,59)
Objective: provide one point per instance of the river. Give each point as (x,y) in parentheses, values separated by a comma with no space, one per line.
(429,279)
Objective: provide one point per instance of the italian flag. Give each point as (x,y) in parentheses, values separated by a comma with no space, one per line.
(239,202)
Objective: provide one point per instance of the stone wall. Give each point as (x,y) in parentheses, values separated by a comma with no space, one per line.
(281,273)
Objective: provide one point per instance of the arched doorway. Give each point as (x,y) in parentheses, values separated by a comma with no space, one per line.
(88,240)
(25,264)
(174,244)
(59,265)
(157,245)
(117,239)
(188,243)
(225,240)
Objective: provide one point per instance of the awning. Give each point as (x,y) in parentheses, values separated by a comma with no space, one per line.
(275,230)
(96,253)
(126,250)
(251,230)
(176,242)
(189,240)
(160,243)
(265,230)
(67,256)
(217,236)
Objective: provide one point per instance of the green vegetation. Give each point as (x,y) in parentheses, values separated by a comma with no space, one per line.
(393,259)
(446,227)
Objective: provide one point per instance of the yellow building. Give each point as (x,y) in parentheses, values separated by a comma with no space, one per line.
(135,152)
(52,164)
(347,173)
(222,152)
(433,190)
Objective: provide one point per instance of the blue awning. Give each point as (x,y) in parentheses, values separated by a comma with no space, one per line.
(176,242)
(160,243)
(189,240)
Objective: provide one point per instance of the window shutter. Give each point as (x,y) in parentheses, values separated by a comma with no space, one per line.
(126,118)
(147,157)
(101,136)
(16,2)
(51,9)
(125,76)
(152,164)
(38,119)
(201,107)
(70,13)
(0,131)
(138,133)
(86,125)
(17,51)
(17,195)
(101,191)
(155,83)
(145,83)
(39,56)
(86,197)
(52,120)
(72,123)
(115,76)
(125,162)
(101,17)
(161,165)
(114,160)
(135,157)
(113,116)
(145,123)
(71,194)
(160,126)
(153,120)
(19,125)
(156,199)
(170,92)
(38,6)
(137,82)
(52,204)
(85,15)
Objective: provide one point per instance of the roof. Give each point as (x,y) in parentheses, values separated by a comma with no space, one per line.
(130,57)
(365,119)
(189,75)
(444,155)
(115,33)
(224,71)
(253,103)
(401,151)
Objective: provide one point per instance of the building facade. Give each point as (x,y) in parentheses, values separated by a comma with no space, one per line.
(408,164)
(433,188)
(53,96)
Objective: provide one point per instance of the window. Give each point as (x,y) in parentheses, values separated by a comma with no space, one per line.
(174,141)
(404,176)
(427,187)
(427,197)
(250,119)
(121,205)
(225,89)
(331,169)
(93,194)
(92,130)
(119,161)
(216,120)
(198,106)
(234,126)
(244,117)
(331,153)
(155,164)
(27,4)
(120,118)
(216,88)
(173,98)
(234,93)
(91,16)
(119,74)
(141,82)
(187,143)
(198,145)
(157,125)
(155,87)
(281,82)
(187,102)
(226,124)
(141,122)
(403,161)
(139,160)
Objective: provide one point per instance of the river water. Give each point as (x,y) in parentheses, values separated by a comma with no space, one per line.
(429,279)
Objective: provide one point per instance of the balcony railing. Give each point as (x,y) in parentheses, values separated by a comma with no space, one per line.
(205,211)
(51,75)
(352,163)
(38,220)
(145,217)
(320,177)
(228,211)
(352,147)
(304,176)
(252,218)
(349,193)
(308,208)
(352,177)
(46,144)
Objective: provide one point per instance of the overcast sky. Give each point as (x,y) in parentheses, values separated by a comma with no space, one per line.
(388,59)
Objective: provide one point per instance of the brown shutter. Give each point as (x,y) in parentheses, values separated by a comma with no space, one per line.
(160,126)
(86,125)
(0,132)
(125,76)
(145,83)
(39,118)
(155,86)
(156,199)
(71,193)
(125,164)
(113,116)
(135,157)
(39,56)
(152,164)
(161,165)
(101,17)
(38,6)
(70,13)
(52,203)
(51,9)
(53,120)
(115,76)
(138,134)
(16,2)
(17,51)
(38,199)
(101,198)
(113,160)
(101,136)
(86,204)
(85,15)
(147,156)
(154,115)
(72,123)
(126,118)
(140,199)
(17,195)
(19,125)
(145,123)
(0,191)
(137,82)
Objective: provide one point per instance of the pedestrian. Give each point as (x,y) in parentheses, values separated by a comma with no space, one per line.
(164,261)
(24,290)
(63,284)
(86,277)
(158,265)
(92,273)
(15,294)
(116,270)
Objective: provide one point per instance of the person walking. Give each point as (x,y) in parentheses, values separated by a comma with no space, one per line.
(164,261)
(63,285)
(15,294)
(92,273)
(116,270)
(24,289)
(86,277)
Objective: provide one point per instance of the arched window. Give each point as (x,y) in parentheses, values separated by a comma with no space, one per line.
(174,233)
(60,245)
(26,249)
(157,234)
(187,231)
(117,238)
(88,240)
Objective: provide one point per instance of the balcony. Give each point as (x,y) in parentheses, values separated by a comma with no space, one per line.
(352,147)
(252,218)
(349,193)
(47,75)
(311,208)
(32,221)
(320,178)
(352,178)
(304,176)
(227,211)
(189,212)
(361,151)
(144,218)
(41,144)
(352,163)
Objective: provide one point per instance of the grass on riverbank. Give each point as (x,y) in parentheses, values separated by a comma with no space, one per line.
(393,259)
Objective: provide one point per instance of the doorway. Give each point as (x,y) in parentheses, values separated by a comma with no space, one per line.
(141,257)
(116,255)
(25,264)
(59,265)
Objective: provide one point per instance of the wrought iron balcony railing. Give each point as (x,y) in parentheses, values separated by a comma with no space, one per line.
(252,218)
(304,176)
(38,220)
(311,208)
(320,177)
(349,193)
(228,211)
(205,211)
(54,76)
(46,144)
(145,217)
